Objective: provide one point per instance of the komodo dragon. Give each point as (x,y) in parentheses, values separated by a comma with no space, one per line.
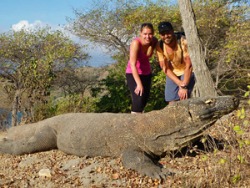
(138,139)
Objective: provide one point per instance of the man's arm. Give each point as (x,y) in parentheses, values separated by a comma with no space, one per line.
(183,91)
(187,60)
(188,70)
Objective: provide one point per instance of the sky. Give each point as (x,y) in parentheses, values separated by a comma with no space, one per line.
(15,14)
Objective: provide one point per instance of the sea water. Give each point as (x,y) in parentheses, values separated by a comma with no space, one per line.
(6,118)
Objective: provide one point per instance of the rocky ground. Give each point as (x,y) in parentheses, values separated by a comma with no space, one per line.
(226,166)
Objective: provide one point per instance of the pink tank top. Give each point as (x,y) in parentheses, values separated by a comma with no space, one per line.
(142,64)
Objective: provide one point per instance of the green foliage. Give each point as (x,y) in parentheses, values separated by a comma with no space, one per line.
(204,157)
(43,111)
(112,91)
(30,59)
(241,135)
(240,130)
(226,42)
(75,104)
(114,95)
(236,178)
(222,161)
(71,103)
(156,100)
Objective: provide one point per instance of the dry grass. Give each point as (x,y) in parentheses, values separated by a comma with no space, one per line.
(223,161)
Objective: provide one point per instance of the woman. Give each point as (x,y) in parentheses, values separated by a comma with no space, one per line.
(138,71)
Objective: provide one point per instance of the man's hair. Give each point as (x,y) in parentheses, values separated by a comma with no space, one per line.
(165,27)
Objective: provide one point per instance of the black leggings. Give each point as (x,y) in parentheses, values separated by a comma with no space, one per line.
(139,102)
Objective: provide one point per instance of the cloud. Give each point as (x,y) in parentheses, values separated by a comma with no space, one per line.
(24,24)
(99,55)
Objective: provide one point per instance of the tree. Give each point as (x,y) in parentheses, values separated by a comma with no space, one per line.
(204,82)
(29,61)
(225,39)
(114,24)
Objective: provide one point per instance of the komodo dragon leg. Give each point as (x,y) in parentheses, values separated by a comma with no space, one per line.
(44,139)
(143,163)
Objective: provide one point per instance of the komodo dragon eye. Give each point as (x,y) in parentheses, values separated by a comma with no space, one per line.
(209,101)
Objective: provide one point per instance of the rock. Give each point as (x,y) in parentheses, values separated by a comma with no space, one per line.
(44,173)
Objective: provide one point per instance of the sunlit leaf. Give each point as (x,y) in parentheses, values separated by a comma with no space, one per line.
(238,129)
(236,179)
(222,161)
(204,157)
(240,158)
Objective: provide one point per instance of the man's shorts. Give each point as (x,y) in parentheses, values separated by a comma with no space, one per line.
(171,89)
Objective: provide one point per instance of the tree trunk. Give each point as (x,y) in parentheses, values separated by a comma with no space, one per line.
(15,107)
(204,82)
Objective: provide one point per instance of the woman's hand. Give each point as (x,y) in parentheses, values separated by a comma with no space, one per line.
(139,90)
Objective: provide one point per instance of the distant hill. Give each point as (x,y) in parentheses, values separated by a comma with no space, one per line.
(96,73)
(93,74)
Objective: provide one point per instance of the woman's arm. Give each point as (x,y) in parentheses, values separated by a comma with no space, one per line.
(134,49)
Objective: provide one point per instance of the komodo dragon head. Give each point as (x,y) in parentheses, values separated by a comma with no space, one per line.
(186,120)
(209,109)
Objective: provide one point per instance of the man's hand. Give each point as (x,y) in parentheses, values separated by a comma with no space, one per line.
(183,92)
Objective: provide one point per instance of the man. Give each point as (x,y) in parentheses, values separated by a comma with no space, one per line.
(176,64)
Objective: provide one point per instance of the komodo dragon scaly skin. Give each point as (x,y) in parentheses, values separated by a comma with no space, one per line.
(138,139)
